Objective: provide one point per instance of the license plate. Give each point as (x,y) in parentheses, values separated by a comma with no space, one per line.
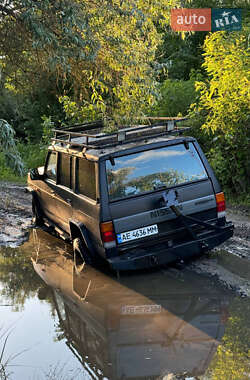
(140,309)
(137,234)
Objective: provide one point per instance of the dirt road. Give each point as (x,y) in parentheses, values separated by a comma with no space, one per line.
(230,263)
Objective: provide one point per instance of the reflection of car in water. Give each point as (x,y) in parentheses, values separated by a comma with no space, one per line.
(140,327)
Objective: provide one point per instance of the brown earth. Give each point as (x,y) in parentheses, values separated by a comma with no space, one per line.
(15,214)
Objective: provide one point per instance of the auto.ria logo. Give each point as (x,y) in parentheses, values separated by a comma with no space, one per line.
(226,19)
(206,19)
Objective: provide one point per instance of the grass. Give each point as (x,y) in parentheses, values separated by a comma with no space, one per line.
(4,363)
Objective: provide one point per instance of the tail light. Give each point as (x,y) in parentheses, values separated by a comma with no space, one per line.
(108,234)
(221,205)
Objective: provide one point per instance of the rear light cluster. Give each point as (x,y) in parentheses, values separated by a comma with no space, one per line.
(108,234)
(221,205)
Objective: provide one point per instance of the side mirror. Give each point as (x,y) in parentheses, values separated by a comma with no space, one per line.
(35,175)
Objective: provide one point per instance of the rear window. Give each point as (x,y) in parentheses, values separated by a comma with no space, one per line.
(152,169)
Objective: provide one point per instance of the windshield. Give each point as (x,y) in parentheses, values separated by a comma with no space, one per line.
(152,169)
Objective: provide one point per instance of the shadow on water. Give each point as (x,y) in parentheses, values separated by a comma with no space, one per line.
(144,325)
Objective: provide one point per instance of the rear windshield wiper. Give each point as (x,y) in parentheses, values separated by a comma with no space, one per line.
(112,161)
(160,186)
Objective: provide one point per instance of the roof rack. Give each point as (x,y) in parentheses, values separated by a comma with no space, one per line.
(89,135)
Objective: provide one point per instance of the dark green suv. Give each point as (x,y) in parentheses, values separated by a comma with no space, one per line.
(139,197)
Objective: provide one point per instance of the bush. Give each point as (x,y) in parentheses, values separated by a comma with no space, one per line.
(33,156)
(224,104)
(25,110)
(176,97)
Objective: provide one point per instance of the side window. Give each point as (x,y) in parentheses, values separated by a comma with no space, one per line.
(85,176)
(51,166)
(64,170)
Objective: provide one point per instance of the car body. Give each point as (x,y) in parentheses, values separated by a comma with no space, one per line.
(139,197)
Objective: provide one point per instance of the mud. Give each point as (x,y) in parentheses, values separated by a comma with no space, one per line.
(15,214)
(229,263)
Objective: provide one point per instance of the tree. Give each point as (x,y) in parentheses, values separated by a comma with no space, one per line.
(121,81)
(224,102)
(102,53)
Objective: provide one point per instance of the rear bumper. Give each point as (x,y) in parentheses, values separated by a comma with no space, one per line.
(141,259)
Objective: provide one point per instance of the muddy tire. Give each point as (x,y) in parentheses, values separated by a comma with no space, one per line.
(37,219)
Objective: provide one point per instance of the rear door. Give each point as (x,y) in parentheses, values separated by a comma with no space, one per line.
(137,182)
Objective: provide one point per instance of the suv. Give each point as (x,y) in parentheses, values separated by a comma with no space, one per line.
(139,197)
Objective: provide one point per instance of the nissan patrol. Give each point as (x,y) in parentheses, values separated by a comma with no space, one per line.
(139,197)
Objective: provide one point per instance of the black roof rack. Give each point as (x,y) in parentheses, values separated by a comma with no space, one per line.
(90,135)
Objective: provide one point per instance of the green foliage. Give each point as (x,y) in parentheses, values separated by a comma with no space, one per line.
(48,126)
(80,113)
(8,174)
(102,54)
(47,32)
(178,56)
(25,109)
(9,149)
(176,98)
(224,107)
(226,96)
(17,158)
(32,155)
(240,199)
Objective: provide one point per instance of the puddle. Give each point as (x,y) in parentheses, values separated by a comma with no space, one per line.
(165,324)
(234,264)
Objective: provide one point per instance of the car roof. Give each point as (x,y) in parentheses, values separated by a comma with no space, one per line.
(126,147)
(91,141)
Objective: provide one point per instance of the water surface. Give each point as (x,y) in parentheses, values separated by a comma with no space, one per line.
(64,325)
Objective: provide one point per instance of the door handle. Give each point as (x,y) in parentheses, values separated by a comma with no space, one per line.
(69,201)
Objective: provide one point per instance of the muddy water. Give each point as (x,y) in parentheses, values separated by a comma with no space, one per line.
(168,324)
